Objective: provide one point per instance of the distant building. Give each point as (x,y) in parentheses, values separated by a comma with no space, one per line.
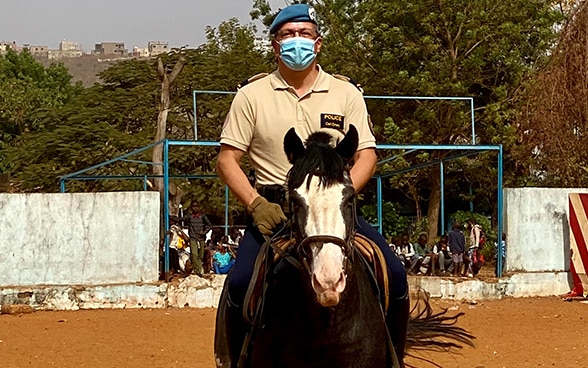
(5,46)
(140,51)
(39,51)
(67,49)
(110,48)
(157,47)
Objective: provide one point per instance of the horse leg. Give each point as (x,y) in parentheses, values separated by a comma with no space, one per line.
(397,322)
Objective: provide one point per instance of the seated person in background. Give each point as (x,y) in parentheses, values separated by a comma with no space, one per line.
(179,251)
(407,254)
(394,241)
(223,259)
(421,250)
(235,236)
(444,255)
(430,260)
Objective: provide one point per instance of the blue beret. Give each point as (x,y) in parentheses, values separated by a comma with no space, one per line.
(293,13)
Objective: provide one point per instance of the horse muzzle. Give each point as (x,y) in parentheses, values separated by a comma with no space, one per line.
(328,293)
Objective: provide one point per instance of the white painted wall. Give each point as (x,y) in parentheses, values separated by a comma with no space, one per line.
(537,229)
(108,242)
(79,238)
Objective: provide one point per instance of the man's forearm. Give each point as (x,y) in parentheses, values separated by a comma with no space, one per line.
(363,168)
(232,174)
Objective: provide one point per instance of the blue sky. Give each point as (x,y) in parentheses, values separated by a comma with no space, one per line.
(134,22)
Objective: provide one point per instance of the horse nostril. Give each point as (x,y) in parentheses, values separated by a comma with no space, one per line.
(340,285)
(316,285)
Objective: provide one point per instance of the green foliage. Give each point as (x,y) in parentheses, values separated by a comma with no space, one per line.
(392,223)
(49,127)
(454,48)
(26,90)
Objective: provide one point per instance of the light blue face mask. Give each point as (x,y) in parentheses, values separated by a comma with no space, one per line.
(297,52)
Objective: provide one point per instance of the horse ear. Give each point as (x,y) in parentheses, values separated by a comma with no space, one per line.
(347,147)
(293,145)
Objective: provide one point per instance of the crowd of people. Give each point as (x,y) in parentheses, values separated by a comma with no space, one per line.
(457,253)
(197,247)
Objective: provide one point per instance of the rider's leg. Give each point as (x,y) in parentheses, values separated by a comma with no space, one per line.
(238,282)
(397,322)
(399,308)
(396,270)
(243,269)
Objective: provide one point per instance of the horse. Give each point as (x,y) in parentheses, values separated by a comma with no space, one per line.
(313,302)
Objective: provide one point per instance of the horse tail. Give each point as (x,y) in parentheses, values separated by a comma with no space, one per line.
(434,331)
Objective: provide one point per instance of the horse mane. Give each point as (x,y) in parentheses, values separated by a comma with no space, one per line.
(320,159)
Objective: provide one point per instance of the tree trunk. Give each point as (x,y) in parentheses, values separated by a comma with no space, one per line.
(157,158)
(434,205)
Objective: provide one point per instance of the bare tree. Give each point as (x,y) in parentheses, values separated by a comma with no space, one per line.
(166,81)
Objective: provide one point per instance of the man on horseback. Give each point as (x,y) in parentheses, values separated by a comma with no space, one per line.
(300,94)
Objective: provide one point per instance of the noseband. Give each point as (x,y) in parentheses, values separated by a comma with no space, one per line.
(345,246)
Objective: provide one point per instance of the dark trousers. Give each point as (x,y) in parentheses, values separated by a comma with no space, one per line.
(251,244)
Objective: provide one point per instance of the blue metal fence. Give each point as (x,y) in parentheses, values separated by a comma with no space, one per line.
(463,150)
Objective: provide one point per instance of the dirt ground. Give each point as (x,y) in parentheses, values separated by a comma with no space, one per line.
(518,333)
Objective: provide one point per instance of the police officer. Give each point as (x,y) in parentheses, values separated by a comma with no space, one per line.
(300,94)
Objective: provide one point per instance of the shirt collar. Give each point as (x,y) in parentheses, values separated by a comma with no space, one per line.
(321,84)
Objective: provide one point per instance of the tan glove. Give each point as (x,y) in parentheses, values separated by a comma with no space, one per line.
(266,215)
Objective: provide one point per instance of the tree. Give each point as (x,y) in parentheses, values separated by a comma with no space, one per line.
(553,122)
(440,48)
(26,88)
(120,115)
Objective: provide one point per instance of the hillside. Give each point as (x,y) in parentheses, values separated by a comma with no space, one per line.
(84,69)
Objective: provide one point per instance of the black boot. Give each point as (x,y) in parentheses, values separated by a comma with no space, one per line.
(397,322)
(230,332)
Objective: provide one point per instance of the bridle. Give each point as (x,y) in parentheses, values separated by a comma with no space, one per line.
(304,243)
(345,246)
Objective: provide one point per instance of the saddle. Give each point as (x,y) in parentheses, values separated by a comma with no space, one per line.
(365,248)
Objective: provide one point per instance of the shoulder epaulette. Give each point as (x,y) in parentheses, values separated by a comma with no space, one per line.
(349,80)
(251,79)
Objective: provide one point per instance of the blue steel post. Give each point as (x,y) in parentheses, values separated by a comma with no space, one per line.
(499,214)
(442,181)
(62,185)
(195,127)
(472,118)
(144,183)
(379,204)
(166,205)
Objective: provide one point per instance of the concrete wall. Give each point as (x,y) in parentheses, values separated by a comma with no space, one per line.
(537,229)
(79,238)
(100,250)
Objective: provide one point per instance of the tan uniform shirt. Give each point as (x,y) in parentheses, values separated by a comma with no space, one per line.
(264,110)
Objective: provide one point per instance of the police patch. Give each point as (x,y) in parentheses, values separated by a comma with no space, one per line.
(333,121)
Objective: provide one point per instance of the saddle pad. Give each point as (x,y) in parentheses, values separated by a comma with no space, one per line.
(375,258)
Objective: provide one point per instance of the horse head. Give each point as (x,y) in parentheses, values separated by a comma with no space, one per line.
(322,201)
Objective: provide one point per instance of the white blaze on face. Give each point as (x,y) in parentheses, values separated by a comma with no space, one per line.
(324,217)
